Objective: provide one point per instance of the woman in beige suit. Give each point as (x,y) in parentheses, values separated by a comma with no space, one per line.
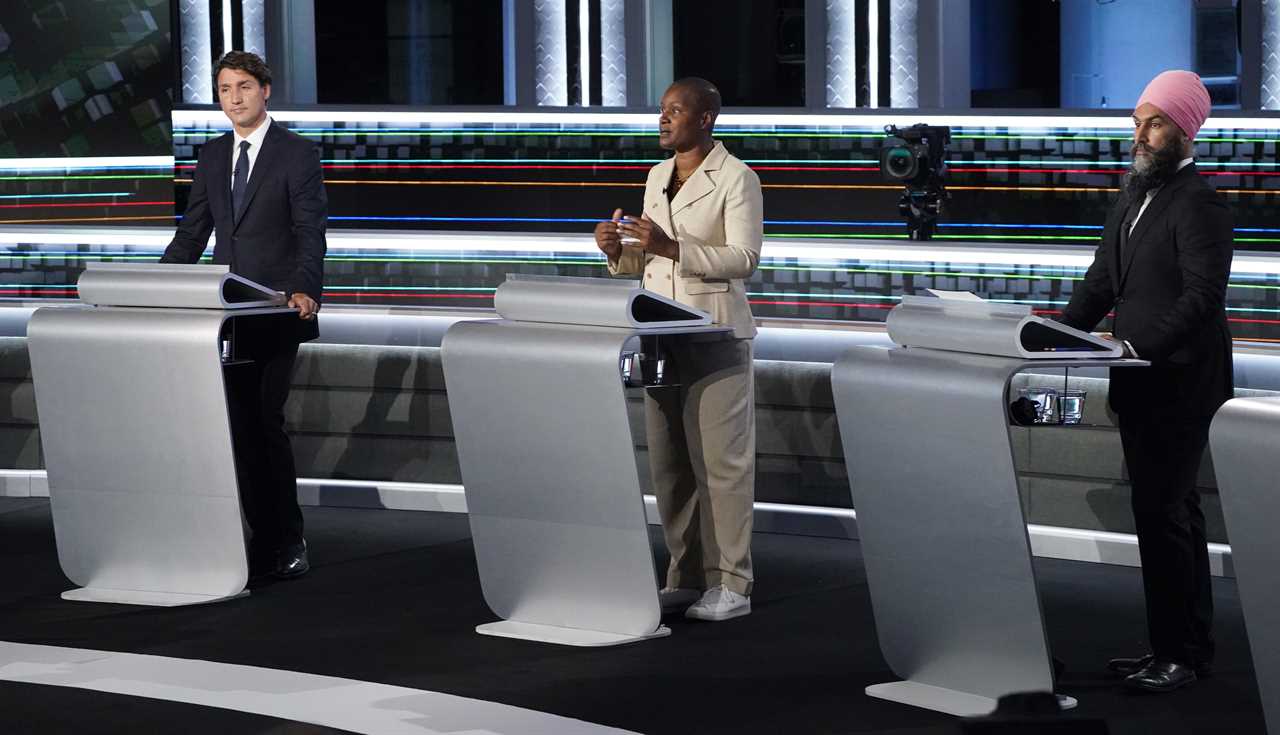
(696,241)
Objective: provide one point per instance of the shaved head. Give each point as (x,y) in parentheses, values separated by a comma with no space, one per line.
(702,93)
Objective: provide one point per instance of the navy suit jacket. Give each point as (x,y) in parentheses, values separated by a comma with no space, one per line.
(279,238)
(1168,290)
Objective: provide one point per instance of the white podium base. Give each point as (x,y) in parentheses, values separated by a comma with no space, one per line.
(140,597)
(939,699)
(564,636)
(949,701)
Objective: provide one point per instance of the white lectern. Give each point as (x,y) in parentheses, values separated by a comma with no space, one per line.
(547,457)
(134,425)
(1242,439)
(944,540)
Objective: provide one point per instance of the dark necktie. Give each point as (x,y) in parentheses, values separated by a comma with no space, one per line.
(240,178)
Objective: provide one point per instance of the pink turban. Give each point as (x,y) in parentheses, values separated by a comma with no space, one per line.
(1181,96)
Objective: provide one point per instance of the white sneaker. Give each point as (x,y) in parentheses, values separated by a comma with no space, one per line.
(719,603)
(672,599)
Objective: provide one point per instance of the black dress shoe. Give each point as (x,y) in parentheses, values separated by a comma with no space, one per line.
(292,562)
(1127,666)
(1161,675)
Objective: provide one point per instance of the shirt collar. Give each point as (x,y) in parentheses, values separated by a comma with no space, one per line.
(256,137)
(1151,194)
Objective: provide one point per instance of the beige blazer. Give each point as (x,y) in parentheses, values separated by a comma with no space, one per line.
(717,217)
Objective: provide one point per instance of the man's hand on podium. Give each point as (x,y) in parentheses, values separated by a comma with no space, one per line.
(1124,344)
(608,238)
(649,237)
(306,306)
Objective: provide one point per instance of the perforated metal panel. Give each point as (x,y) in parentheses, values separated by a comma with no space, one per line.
(551,63)
(613,53)
(255,27)
(197,52)
(904,57)
(842,60)
(1271,54)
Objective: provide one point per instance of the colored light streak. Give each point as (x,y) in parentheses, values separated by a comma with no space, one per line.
(816,167)
(466,245)
(384,182)
(602,166)
(721,132)
(25,291)
(167,218)
(85,204)
(831,187)
(724,131)
(218,126)
(82,177)
(67,196)
(817,164)
(804,222)
(903,236)
(1118,120)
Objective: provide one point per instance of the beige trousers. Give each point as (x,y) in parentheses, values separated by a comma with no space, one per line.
(702,458)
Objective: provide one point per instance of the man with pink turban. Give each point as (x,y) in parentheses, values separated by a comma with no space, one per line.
(1162,269)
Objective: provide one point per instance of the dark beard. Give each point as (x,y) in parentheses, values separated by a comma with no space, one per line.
(1164,164)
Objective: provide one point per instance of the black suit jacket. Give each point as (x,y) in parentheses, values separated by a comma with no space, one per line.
(279,239)
(1169,296)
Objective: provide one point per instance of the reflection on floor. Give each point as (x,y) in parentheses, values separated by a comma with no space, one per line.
(393,598)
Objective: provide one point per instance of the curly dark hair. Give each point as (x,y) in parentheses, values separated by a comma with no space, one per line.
(251,64)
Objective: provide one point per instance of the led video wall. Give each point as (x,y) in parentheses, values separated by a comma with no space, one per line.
(1012,179)
(1029,195)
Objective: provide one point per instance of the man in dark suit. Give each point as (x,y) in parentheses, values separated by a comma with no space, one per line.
(1162,268)
(260,188)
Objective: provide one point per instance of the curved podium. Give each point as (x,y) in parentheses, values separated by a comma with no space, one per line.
(548,461)
(942,530)
(1242,440)
(135,431)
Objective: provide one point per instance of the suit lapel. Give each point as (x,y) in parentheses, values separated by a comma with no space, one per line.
(1155,211)
(663,208)
(700,182)
(264,163)
(219,186)
(1111,236)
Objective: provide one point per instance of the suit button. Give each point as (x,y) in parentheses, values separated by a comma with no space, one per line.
(648,275)
(1120,300)
(668,276)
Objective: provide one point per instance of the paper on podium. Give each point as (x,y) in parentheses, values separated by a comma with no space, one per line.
(596,302)
(963,322)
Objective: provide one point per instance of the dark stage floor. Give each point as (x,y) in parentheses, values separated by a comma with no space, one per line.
(393,598)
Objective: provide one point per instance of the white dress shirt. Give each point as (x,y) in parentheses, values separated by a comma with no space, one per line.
(255,139)
(1152,194)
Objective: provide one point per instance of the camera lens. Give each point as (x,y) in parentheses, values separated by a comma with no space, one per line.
(900,163)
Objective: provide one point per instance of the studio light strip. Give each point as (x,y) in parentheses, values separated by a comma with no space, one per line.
(507,243)
(1120,121)
(58,164)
